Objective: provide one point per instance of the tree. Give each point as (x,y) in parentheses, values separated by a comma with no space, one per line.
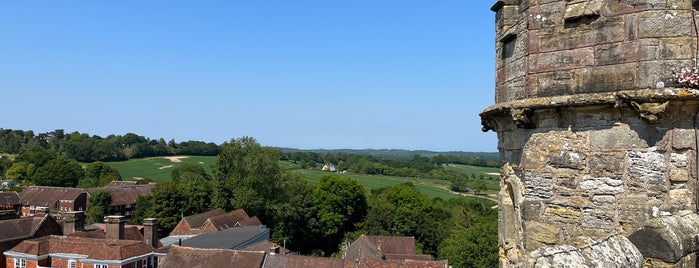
(98,206)
(189,171)
(340,203)
(61,172)
(99,174)
(403,211)
(247,176)
(19,171)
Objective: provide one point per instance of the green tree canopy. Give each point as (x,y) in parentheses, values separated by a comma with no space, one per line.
(340,203)
(98,206)
(61,172)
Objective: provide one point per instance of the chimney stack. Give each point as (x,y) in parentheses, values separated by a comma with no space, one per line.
(115,227)
(42,211)
(73,221)
(150,232)
(274,249)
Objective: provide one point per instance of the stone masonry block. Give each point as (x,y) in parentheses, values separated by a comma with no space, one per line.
(647,170)
(679,160)
(616,53)
(603,31)
(609,78)
(602,185)
(683,139)
(546,15)
(538,185)
(598,218)
(567,159)
(620,137)
(561,60)
(665,23)
(562,214)
(607,164)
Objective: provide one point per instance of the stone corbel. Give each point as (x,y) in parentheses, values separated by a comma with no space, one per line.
(650,111)
(523,117)
(488,124)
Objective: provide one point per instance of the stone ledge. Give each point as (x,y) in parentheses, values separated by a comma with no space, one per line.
(613,251)
(648,102)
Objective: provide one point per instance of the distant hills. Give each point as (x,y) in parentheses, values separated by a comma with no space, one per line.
(400,153)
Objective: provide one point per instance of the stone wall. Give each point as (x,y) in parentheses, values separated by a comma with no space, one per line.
(551,48)
(590,169)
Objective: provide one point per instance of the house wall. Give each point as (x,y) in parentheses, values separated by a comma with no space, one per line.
(10,262)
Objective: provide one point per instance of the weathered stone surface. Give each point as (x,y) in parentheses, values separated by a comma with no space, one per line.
(539,234)
(602,164)
(684,139)
(668,238)
(562,213)
(603,200)
(561,60)
(678,175)
(613,251)
(647,170)
(619,137)
(665,23)
(572,160)
(598,218)
(538,185)
(603,185)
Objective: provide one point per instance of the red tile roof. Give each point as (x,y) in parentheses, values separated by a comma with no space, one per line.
(48,196)
(96,249)
(297,261)
(125,194)
(195,257)
(253,221)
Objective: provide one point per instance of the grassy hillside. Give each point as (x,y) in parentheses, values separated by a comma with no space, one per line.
(487,172)
(158,168)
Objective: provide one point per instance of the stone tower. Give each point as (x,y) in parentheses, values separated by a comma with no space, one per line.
(598,141)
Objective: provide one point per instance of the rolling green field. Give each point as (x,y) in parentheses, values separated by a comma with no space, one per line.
(476,170)
(159,169)
(429,187)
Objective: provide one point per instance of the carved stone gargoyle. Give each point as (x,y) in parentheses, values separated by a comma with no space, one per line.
(523,117)
(650,111)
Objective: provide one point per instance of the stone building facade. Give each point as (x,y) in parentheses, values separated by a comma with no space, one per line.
(599,141)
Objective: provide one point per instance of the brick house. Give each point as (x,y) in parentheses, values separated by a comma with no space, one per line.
(124,196)
(214,221)
(67,251)
(57,199)
(79,249)
(16,230)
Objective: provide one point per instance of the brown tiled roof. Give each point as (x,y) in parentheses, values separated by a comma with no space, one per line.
(130,233)
(394,244)
(9,199)
(253,221)
(196,257)
(96,249)
(125,194)
(297,261)
(48,196)
(122,183)
(265,246)
(197,220)
(424,257)
(22,227)
(228,220)
(362,248)
(401,264)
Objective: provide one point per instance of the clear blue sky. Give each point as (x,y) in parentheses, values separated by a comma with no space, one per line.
(381,74)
